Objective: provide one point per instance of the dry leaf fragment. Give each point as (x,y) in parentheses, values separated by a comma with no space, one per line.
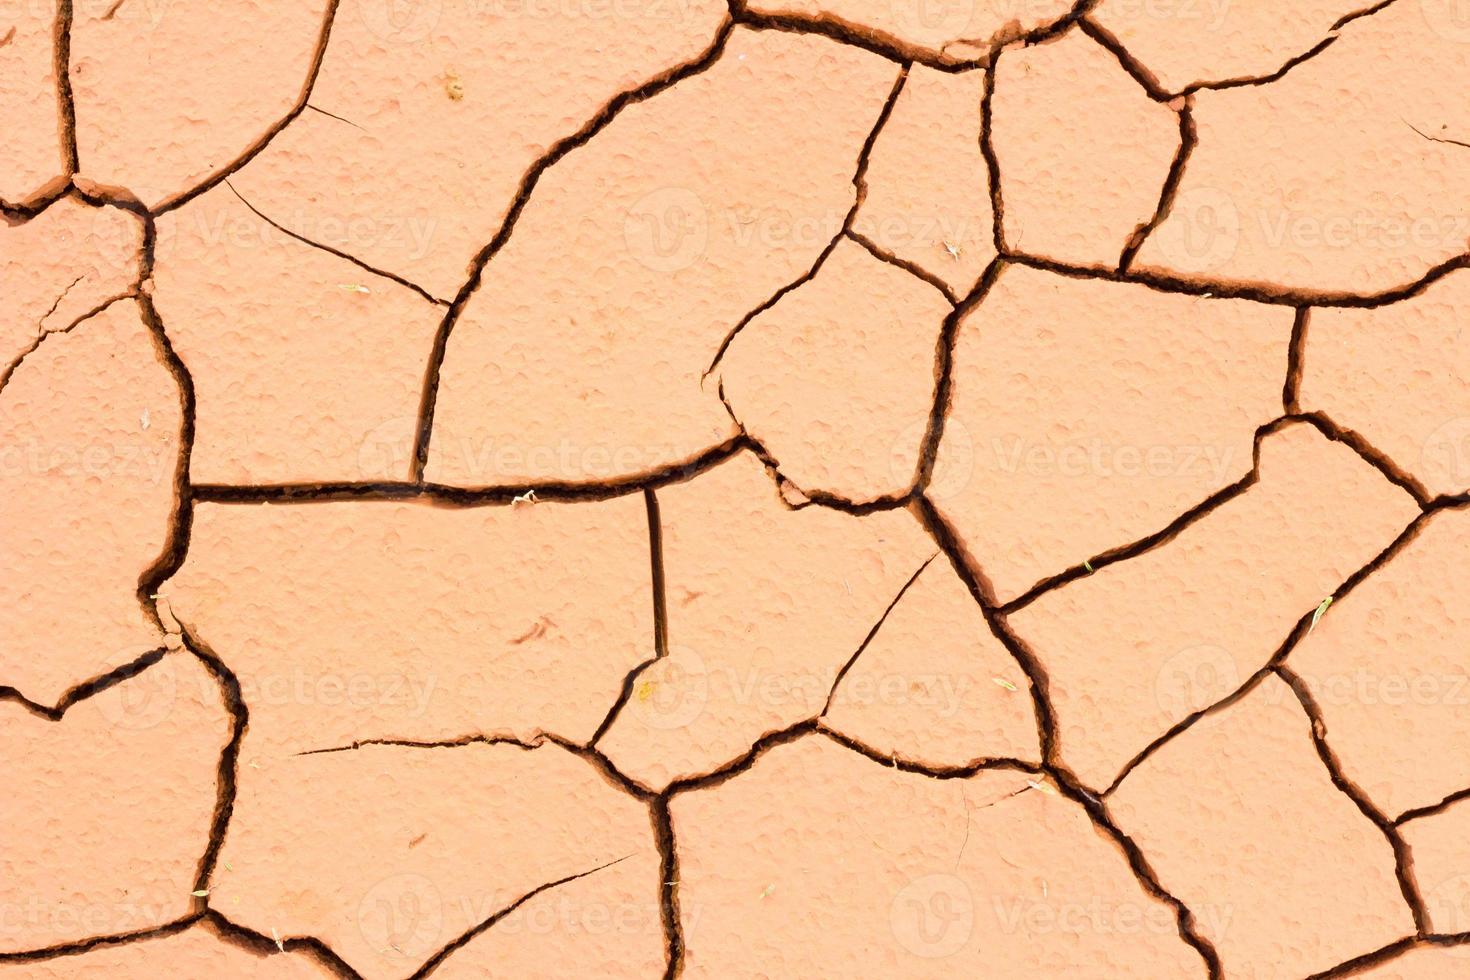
(1321,610)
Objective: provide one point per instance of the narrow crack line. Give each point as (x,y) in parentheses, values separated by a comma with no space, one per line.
(664,826)
(889,761)
(1246,81)
(1013,35)
(1293,62)
(101,942)
(668,888)
(1188,140)
(1378,957)
(944,349)
(1136,69)
(660,617)
(86,689)
(860,194)
(435,961)
(1375,457)
(587,753)
(1432,809)
(1162,536)
(1436,139)
(773,467)
(992,161)
(261,945)
(895,48)
(1187,722)
(625,693)
(1448,502)
(227,779)
(842,671)
(65,103)
(100,195)
(333,115)
(528,745)
(917,271)
(847,32)
(16,212)
(9,36)
(1359,964)
(1047,730)
(772,300)
(1266,293)
(1403,857)
(41,323)
(45,335)
(605,767)
(743,762)
(1294,636)
(108,196)
(1296,359)
(255,148)
(970,816)
(1147,878)
(1369,11)
(176,543)
(1050,733)
(1155,89)
(821,498)
(130,293)
(429,396)
(330,250)
(448,496)
(1133,549)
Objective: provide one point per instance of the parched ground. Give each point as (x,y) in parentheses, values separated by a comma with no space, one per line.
(849,489)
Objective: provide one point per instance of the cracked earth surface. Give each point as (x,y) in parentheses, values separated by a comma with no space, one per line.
(774,489)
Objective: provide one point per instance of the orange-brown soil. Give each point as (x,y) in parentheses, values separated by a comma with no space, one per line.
(812,489)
